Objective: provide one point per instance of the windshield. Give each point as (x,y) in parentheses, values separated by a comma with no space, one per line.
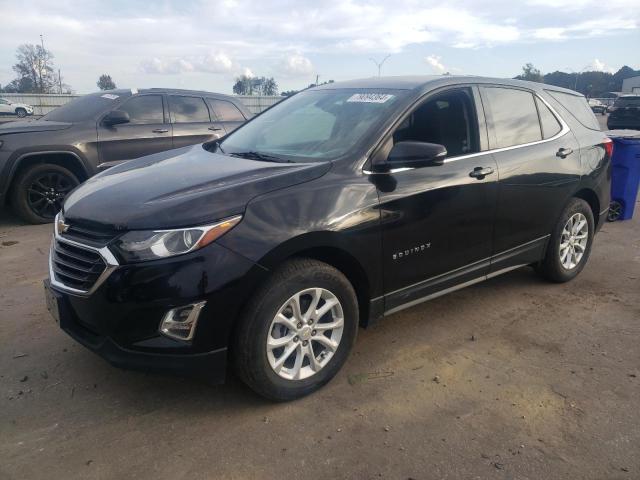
(627,102)
(81,109)
(314,125)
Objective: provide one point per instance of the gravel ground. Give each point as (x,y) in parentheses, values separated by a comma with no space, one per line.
(514,378)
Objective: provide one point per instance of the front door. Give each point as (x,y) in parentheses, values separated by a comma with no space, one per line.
(192,122)
(437,221)
(147,131)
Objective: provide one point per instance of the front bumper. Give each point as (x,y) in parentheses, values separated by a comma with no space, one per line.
(120,320)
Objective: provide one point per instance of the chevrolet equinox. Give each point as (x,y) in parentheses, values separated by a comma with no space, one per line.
(345,203)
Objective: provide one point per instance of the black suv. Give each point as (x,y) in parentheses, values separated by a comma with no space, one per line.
(332,209)
(42,160)
(625,113)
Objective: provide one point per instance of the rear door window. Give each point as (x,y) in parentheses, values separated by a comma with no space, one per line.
(550,124)
(225,111)
(578,107)
(514,116)
(144,109)
(188,109)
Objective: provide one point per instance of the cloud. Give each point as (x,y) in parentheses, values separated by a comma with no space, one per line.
(435,63)
(296,65)
(214,62)
(599,66)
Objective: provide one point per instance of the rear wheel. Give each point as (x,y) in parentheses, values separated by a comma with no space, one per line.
(297,332)
(39,191)
(21,112)
(570,243)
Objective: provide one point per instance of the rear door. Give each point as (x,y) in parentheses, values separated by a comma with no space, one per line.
(539,167)
(227,113)
(192,122)
(147,132)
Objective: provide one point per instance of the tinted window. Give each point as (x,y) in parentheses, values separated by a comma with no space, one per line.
(448,119)
(515,117)
(627,102)
(144,109)
(188,109)
(577,106)
(549,122)
(3,102)
(225,111)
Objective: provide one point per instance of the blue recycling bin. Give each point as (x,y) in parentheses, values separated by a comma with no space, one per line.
(625,174)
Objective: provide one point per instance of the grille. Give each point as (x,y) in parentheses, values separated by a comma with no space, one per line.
(76,267)
(89,235)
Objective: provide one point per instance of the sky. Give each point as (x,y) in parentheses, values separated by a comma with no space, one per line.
(206,44)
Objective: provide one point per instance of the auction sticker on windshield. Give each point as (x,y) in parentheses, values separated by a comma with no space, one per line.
(370,97)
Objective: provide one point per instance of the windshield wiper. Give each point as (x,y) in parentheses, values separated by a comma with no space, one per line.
(260,156)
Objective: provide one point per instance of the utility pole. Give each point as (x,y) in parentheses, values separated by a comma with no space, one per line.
(317,79)
(60,81)
(40,58)
(380,63)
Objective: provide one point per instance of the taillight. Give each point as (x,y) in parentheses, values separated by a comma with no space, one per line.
(608,146)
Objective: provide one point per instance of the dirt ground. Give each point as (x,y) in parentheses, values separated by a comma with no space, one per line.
(511,379)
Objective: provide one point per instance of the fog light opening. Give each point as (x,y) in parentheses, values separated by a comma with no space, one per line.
(180,323)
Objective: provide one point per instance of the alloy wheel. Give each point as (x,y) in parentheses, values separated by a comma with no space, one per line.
(573,241)
(46,193)
(305,334)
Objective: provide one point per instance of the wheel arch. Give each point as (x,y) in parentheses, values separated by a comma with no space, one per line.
(319,246)
(591,197)
(63,158)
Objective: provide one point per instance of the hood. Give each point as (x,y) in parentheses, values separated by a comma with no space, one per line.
(184,187)
(26,126)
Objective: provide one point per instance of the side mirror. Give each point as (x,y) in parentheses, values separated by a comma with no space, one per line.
(412,154)
(115,117)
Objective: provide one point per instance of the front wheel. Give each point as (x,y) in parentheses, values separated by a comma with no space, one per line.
(297,332)
(21,112)
(570,243)
(39,191)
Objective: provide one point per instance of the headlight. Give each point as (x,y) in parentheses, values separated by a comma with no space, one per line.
(140,245)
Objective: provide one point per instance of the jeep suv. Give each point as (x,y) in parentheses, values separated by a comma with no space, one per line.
(338,206)
(41,161)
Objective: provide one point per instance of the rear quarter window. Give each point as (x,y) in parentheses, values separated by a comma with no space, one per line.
(578,107)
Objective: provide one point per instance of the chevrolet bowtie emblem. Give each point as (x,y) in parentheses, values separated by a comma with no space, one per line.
(61,227)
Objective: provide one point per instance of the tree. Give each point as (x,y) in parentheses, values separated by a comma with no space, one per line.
(106,83)
(530,73)
(35,69)
(246,85)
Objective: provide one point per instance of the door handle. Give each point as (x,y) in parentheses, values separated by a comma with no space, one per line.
(215,129)
(160,130)
(481,172)
(564,152)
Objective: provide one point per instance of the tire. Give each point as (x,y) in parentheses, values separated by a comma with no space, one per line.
(21,112)
(29,189)
(553,267)
(258,325)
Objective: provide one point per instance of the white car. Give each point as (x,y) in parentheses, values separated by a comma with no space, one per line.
(7,107)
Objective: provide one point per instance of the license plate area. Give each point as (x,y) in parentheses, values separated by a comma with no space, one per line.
(51,300)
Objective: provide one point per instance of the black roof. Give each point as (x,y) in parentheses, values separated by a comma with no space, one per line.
(428,82)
